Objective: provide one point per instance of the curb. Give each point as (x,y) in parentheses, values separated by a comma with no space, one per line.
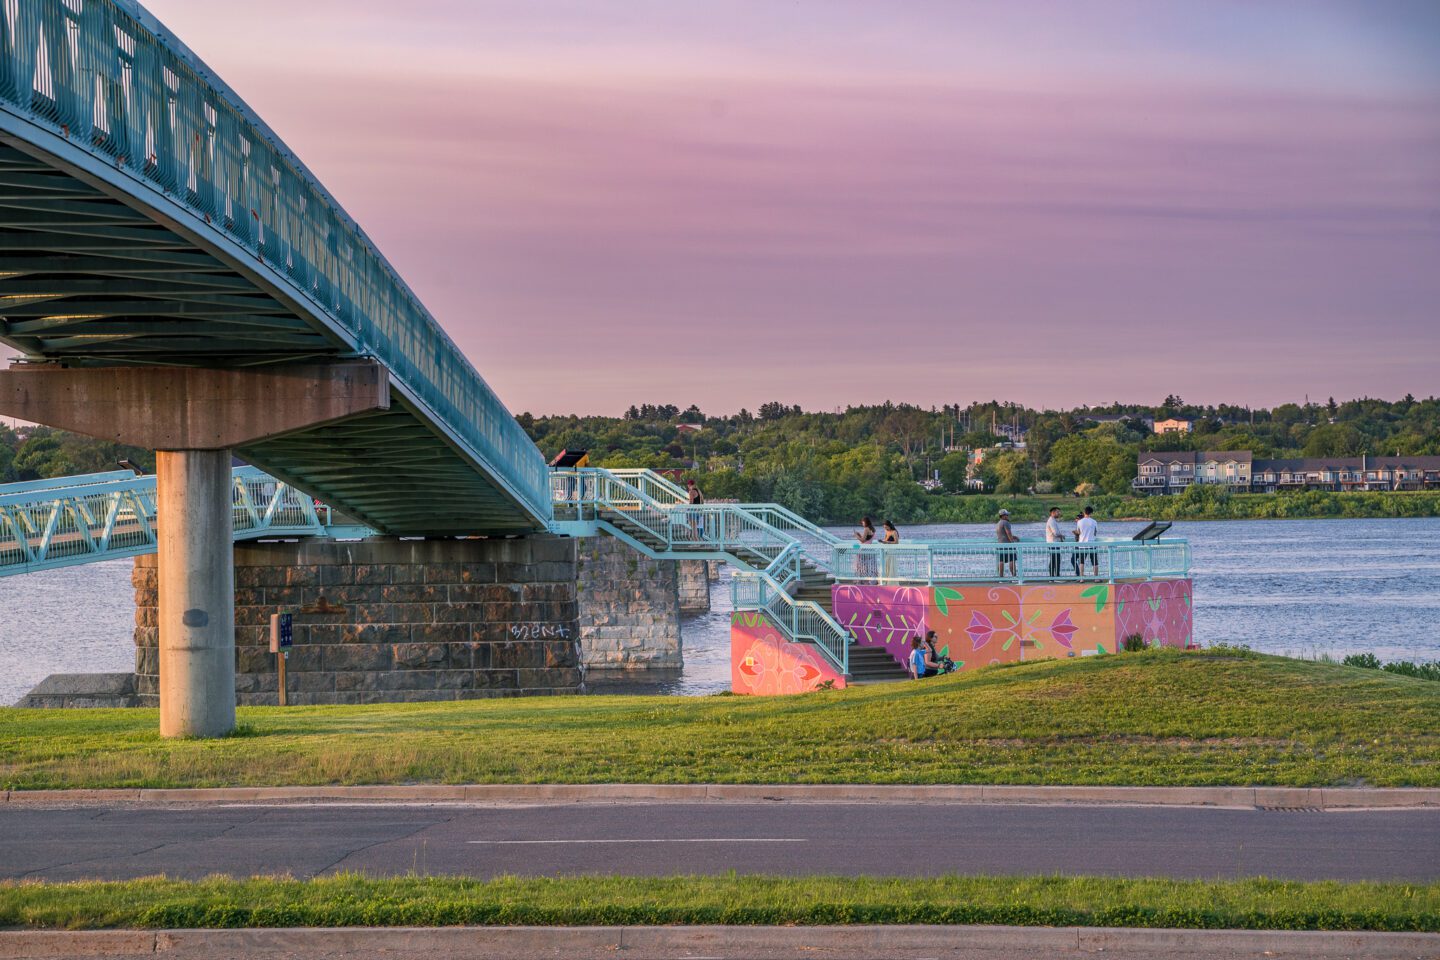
(641,943)
(1306,798)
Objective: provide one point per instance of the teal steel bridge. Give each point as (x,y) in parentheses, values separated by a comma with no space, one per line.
(149,217)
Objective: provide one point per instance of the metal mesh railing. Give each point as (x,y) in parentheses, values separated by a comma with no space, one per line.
(987,561)
(108,516)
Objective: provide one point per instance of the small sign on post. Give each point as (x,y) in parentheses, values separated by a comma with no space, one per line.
(282,635)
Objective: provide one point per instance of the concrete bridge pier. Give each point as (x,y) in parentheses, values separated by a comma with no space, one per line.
(197,593)
(193,417)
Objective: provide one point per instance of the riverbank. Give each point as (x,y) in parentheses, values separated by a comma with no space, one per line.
(1163,718)
(355,900)
(1198,503)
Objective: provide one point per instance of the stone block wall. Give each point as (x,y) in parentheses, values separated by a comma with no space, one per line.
(629,614)
(694,585)
(394,620)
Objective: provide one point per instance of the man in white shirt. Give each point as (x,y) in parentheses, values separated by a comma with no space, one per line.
(1088,531)
(1053,534)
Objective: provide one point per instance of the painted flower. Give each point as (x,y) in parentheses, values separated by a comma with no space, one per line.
(1062,629)
(980,629)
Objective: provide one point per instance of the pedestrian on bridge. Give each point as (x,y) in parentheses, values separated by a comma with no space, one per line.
(1053,535)
(696,499)
(1003,534)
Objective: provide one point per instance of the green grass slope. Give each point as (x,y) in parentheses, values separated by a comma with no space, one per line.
(1155,718)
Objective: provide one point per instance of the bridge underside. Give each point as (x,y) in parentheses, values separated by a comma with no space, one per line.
(89,280)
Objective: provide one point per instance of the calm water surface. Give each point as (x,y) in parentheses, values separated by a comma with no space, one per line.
(1298,587)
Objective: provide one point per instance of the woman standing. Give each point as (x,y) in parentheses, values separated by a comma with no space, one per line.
(865,567)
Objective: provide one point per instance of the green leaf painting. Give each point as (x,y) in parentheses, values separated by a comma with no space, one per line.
(943,596)
(1101,593)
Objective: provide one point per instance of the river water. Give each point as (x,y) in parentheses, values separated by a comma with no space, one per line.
(1298,587)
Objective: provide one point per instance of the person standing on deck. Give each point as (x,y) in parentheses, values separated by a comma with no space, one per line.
(1077,559)
(696,498)
(866,535)
(1087,531)
(1004,534)
(1053,535)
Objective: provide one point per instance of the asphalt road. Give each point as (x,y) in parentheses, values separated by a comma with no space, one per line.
(658,839)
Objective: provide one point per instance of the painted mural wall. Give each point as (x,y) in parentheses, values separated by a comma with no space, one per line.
(762,661)
(980,624)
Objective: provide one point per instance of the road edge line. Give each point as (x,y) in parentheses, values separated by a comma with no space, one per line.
(1292,798)
(859,940)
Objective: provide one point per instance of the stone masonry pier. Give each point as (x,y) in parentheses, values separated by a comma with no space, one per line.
(394,620)
(629,608)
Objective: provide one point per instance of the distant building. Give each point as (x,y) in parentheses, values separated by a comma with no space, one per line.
(1174,425)
(1015,435)
(1172,472)
(1120,418)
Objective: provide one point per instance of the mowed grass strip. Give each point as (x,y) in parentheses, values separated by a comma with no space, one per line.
(1154,718)
(355,900)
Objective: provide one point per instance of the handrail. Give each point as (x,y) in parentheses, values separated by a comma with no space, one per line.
(108,516)
(962,561)
(765,542)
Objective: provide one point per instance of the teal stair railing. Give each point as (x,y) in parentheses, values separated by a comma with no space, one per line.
(986,561)
(770,547)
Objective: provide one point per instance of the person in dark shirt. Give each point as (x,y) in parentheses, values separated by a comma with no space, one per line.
(1003,534)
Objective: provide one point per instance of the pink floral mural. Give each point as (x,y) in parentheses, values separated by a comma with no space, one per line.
(975,624)
(980,624)
(762,661)
(1158,610)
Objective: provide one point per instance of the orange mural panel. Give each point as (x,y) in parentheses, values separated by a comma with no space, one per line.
(763,662)
(981,624)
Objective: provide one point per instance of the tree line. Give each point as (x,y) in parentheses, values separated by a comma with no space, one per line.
(834,466)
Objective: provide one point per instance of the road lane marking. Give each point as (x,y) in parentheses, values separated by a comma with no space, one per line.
(655,840)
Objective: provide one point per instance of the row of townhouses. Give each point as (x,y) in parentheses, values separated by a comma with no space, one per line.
(1171,472)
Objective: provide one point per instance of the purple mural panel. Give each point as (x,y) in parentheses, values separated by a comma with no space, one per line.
(882,616)
(1157,610)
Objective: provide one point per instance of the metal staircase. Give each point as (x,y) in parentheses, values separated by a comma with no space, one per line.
(783,562)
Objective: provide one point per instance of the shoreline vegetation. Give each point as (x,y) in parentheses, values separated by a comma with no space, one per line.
(1215,717)
(356,900)
(1207,503)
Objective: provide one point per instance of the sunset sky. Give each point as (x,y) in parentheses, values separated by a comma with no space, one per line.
(831,202)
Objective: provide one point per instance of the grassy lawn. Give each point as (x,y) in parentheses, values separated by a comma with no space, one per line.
(353,900)
(1154,718)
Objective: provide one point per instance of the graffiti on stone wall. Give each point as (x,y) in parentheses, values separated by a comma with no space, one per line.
(539,631)
(762,661)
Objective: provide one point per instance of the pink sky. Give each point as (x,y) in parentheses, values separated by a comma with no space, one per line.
(827,202)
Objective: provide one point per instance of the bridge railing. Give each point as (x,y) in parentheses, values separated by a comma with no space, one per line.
(960,561)
(765,542)
(105,516)
(115,85)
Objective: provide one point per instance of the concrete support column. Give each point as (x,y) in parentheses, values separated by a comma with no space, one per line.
(196,615)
